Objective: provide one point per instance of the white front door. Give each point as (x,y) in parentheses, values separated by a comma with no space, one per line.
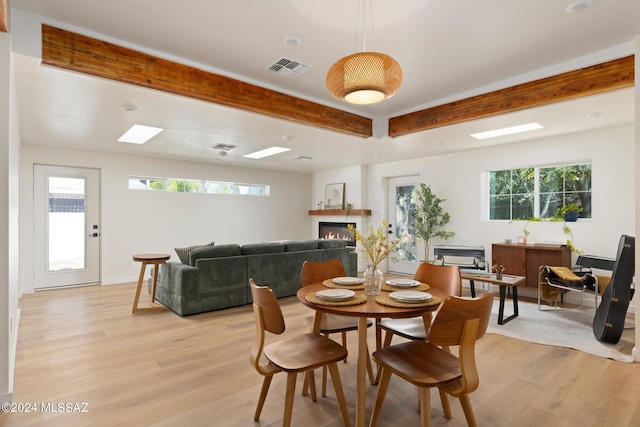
(66,226)
(402,198)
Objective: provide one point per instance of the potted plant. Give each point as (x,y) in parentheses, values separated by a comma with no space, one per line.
(569,212)
(430,217)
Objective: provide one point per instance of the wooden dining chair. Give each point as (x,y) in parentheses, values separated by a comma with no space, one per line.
(427,364)
(319,271)
(444,281)
(292,355)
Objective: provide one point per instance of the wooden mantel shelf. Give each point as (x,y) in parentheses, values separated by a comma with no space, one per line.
(354,212)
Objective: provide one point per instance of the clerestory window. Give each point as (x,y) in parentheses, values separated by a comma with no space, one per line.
(194,186)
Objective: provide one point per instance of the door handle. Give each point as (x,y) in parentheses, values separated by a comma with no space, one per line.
(94,235)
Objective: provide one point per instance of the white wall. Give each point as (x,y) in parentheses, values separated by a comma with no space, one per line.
(9,214)
(458,178)
(137,221)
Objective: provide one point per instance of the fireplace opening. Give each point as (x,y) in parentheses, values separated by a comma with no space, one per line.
(336,230)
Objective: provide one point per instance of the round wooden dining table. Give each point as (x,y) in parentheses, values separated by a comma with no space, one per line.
(368,309)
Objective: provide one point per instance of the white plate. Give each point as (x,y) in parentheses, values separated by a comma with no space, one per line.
(403,283)
(348,280)
(410,296)
(335,294)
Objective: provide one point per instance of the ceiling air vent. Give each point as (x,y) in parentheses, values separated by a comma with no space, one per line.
(302,158)
(288,67)
(223,147)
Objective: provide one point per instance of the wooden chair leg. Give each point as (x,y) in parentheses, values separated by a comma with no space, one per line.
(372,378)
(446,406)
(305,384)
(388,336)
(288,400)
(424,394)
(263,395)
(468,410)
(337,385)
(324,381)
(344,343)
(312,384)
(383,385)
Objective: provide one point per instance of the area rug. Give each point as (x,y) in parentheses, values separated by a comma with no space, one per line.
(562,328)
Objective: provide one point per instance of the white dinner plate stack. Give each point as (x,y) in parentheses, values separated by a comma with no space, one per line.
(335,294)
(410,296)
(403,283)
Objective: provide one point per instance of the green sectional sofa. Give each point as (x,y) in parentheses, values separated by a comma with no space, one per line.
(217,277)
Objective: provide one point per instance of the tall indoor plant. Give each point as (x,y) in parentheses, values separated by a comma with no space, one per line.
(431,218)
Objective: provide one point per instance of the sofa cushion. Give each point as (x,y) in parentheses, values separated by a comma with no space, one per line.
(331,243)
(300,245)
(219,251)
(262,248)
(183,253)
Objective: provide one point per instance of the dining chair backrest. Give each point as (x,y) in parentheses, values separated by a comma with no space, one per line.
(448,326)
(268,312)
(269,318)
(444,280)
(318,271)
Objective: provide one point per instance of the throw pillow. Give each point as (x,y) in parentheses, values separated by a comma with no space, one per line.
(184,253)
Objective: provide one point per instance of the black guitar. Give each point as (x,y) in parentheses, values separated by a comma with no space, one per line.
(608,322)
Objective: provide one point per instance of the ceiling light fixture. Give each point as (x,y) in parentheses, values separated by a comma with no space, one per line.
(365,77)
(139,134)
(266,152)
(507,131)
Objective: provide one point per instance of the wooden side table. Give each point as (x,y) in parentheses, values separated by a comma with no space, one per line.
(145,259)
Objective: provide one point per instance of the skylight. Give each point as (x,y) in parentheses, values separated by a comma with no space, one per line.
(507,131)
(266,152)
(139,134)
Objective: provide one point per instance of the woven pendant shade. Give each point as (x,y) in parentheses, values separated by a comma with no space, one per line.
(364,78)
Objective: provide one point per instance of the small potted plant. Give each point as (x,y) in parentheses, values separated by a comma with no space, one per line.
(498,269)
(570,212)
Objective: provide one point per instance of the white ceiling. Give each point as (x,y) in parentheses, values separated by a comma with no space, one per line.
(448,50)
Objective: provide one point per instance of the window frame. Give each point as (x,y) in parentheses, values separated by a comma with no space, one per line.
(184,185)
(564,195)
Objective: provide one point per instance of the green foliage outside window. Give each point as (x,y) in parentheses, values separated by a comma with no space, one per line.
(183,186)
(539,192)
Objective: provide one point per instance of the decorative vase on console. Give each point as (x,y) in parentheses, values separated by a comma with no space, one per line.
(372,280)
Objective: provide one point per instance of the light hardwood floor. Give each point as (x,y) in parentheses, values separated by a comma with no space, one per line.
(83,345)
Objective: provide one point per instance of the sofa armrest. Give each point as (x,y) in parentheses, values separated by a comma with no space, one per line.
(178,278)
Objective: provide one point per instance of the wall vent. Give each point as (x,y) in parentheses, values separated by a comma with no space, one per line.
(288,67)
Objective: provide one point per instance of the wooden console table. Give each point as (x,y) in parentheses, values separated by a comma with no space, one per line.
(525,260)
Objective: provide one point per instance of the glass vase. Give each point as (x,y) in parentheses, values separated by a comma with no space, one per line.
(372,280)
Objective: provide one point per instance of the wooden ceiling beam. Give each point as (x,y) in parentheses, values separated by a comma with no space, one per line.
(4,24)
(64,49)
(608,76)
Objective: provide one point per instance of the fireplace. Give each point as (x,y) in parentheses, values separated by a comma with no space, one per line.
(336,230)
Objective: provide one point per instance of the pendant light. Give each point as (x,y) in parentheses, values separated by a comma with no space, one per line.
(365,77)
